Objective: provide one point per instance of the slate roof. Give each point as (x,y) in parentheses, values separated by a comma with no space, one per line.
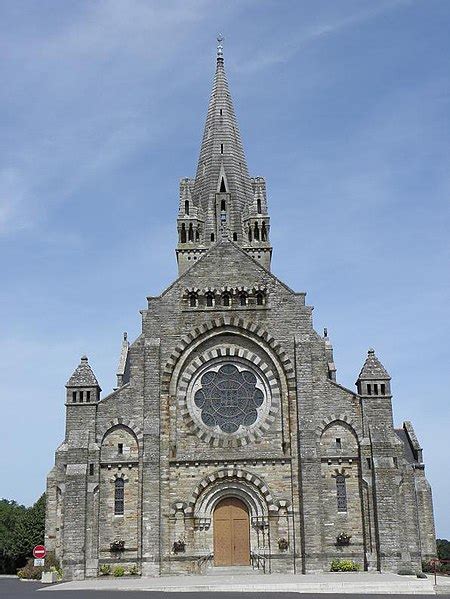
(221,127)
(373,368)
(409,455)
(83,375)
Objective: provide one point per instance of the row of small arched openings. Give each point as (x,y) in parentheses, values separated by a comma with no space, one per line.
(257,233)
(226,299)
(189,233)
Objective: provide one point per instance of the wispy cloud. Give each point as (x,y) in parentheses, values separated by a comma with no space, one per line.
(269,55)
(73,113)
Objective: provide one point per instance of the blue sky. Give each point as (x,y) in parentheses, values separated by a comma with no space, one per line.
(343,108)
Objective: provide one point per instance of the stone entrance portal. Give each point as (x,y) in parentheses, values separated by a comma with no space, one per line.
(231,533)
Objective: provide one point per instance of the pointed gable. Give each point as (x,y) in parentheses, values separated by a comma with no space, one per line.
(373,368)
(237,268)
(83,375)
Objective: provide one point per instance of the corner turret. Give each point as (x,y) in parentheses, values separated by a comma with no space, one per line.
(82,396)
(374,386)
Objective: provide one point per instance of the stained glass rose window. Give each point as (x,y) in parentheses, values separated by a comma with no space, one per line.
(228,398)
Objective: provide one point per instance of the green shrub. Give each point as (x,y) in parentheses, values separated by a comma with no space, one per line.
(30,571)
(52,564)
(440,567)
(133,571)
(406,572)
(427,567)
(105,569)
(119,571)
(344,565)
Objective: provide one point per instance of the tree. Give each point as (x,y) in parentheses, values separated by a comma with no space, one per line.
(21,529)
(443,551)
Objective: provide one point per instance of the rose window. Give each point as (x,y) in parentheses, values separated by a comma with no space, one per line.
(228,398)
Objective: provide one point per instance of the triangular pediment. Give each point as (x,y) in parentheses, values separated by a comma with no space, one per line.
(225,264)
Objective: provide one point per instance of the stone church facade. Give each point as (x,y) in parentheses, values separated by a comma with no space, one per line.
(228,440)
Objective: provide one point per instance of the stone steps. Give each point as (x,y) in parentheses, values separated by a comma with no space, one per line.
(230,571)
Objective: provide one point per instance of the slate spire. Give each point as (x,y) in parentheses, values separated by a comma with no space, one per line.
(222,162)
(223,201)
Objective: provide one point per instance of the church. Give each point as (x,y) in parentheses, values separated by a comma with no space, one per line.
(228,441)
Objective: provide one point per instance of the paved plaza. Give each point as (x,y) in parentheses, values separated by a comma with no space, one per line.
(342,582)
(269,586)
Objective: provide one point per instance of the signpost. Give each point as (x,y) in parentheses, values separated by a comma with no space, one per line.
(39,553)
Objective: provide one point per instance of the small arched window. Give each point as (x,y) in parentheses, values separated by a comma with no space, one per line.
(197,235)
(234,236)
(226,298)
(256,233)
(263,232)
(249,233)
(341,493)
(191,233)
(183,233)
(192,300)
(210,300)
(243,299)
(186,207)
(258,205)
(212,236)
(119,496)
(260,298)
(222,206)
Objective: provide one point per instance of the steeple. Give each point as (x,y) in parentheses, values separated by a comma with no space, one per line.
(223,201)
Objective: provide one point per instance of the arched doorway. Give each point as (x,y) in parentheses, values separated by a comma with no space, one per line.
(231,533)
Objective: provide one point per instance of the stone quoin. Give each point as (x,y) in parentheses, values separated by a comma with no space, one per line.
(228,440)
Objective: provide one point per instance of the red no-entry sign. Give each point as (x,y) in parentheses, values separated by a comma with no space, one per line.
(39,552)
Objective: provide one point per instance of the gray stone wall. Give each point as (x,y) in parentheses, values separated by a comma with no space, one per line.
(286,471)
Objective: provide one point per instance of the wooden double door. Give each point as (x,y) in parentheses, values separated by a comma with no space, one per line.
(231,529)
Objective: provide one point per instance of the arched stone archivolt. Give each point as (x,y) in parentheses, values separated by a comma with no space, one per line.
(339,419)
(228,324)
(247,434)
(116,423)
(232,482)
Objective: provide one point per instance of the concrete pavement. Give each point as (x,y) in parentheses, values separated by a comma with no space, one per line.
(336,582)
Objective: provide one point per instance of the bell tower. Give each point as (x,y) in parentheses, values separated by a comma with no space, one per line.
(223,201)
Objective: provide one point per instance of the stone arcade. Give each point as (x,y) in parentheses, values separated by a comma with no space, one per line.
(228,440)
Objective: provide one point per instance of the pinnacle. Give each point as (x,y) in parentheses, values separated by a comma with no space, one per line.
(83,375)
(373,368)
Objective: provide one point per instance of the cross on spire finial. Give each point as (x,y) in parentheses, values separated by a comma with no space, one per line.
(220,39)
